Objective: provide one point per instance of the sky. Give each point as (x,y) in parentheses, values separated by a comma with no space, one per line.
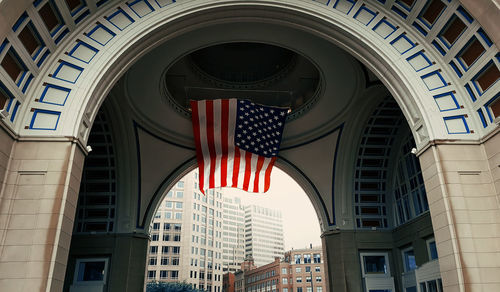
(300,222)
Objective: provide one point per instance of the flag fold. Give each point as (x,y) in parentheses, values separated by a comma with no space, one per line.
(237,142)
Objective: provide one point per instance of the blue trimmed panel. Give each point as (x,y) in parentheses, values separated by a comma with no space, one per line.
(344,6)
(424,10)
(365,15)
(120,19)
(101,34)
(384,28)
(20,21)
(455,68)
(78,8)
(446,101)
(163,3)
(67,72)
(27,83)
(479,90)
(141,7)
(419,61)
(7,94)
(44,120)
(481,117)
(452,23)
(456,125)
(83,52)
(53,94)
(14,111)
(403,44)
(488,109)
(485,37)
(434,80)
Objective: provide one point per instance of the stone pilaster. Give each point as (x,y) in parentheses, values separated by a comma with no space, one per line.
(465,214)
(37,209)
(343,269)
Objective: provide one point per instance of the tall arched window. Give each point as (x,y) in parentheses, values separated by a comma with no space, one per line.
(410,199)
(97,199)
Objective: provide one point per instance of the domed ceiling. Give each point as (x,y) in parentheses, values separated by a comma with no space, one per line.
(263,73)
(316,80)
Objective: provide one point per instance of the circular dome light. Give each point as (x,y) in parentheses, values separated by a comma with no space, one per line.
(263,73)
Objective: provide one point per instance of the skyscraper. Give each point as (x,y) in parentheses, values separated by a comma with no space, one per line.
(233,235)
(186,237)
(263,234)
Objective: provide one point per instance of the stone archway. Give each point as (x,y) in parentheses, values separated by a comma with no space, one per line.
(57,95)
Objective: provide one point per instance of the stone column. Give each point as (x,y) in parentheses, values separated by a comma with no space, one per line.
(127,254)
(465,213)
(343,270)
(37,208)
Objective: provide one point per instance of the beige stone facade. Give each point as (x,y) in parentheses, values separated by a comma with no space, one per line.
(436,62)
(39,197)
(463,199)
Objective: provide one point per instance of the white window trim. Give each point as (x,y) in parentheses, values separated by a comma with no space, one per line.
(404,258)
(385,254)
(90,283)
(427,244)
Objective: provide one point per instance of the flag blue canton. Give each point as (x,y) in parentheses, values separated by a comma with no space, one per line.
(259,128)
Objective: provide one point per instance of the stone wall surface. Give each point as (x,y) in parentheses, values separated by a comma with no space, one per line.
(465,215)
(37,208)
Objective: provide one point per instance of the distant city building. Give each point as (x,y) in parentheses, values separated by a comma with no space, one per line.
(186,237)
(233,235)
(196,238)
(228,282)
(301,270)
(305,271)
(239,281)
(264,238)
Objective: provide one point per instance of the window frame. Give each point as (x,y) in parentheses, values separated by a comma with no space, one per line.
(374,275)
(405,263)
(90,283)
(427,244)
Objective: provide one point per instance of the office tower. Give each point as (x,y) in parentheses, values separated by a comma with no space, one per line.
(233,235)
(263,234)
(186,237)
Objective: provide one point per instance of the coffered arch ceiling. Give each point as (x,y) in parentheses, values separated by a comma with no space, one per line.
(416,49)
(58,64)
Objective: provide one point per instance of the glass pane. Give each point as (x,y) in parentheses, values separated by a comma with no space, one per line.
(375,264)
(423,288)
(432,286)
(433,250)
(409,258)
(91,271)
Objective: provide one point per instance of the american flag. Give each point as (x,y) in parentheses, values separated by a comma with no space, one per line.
(236,143)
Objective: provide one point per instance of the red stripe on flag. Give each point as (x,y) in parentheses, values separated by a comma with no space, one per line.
(236,166)
(267,181)
(248,170)
(260,163)
(210,141)
(196,133)
(224,141)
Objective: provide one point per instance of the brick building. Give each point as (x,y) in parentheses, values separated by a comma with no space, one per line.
(300,270)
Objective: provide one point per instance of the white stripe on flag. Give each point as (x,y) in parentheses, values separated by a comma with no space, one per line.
(262,174)
(204,143)
(251,185)
(241,171)
(217,141)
